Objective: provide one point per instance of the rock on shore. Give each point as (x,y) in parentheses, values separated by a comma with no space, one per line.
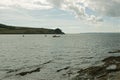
(110,70)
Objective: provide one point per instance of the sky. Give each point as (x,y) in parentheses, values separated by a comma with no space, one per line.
(72,16)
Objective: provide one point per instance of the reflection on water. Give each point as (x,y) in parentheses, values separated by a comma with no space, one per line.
(36,57)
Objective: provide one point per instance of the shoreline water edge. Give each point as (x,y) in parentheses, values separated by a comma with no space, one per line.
(109,70)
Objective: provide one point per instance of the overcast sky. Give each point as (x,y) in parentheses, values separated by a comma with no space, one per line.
(72,16)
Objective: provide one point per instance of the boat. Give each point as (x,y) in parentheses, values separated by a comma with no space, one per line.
(23,35)
(45,35)
(56,36)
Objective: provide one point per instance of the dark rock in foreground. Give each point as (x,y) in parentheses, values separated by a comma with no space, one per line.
(116,51)
(110,70)
(63,69)
(23,71)
(29,72)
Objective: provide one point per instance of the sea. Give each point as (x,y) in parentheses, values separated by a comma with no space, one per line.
(43,57)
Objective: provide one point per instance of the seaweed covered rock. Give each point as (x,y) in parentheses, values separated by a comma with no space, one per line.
(109,70)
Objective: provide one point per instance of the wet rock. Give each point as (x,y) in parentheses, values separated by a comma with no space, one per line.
(94,70)
(102,72)
(111,67)
(25,70)
(28,72)
(37,69)
(112,58)
(116,51)
(48,62)
(63,69)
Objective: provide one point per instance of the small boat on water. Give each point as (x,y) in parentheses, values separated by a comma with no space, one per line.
(23,35)
(45,35)
(56,36)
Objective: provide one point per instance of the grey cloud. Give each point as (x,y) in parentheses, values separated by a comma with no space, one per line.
(78,7)
(105,7)
(75,7)
(56,3)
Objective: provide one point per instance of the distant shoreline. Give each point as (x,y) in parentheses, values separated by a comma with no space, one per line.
(6,29)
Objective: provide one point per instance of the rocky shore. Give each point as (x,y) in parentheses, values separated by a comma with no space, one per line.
(109,70)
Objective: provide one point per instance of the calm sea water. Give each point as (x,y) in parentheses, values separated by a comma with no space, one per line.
(74,51)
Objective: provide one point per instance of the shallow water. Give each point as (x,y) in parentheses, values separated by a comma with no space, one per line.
(32,51)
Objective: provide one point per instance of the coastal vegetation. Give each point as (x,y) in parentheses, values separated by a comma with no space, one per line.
(6,29)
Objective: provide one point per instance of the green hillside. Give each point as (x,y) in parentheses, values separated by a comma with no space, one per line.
(5,29)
